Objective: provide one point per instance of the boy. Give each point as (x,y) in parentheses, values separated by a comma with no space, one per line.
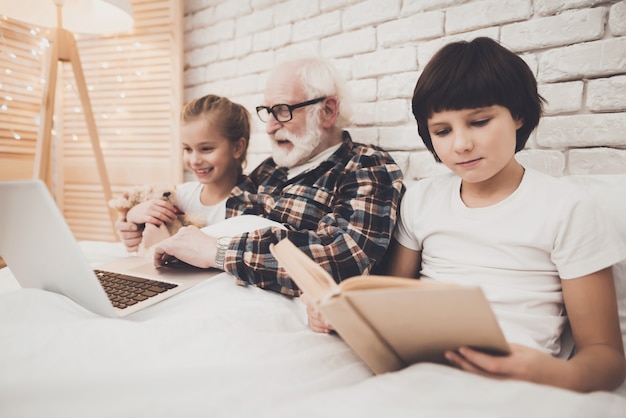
(534,244)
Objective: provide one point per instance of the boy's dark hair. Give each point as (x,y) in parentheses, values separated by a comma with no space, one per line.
(480,73)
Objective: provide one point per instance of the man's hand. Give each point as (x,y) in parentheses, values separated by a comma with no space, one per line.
(316,321)
(189,245)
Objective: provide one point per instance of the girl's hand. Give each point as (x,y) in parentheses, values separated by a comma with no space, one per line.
(153,234)
(524,363)
(130,235)
(154,212)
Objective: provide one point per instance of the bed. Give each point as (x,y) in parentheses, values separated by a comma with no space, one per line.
(222,350)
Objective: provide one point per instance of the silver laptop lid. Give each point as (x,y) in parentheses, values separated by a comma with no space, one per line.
(40,249)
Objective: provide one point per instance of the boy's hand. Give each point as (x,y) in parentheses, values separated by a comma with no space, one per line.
(316,321)
(524,363)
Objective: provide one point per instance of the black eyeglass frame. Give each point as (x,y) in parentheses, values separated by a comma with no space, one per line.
(291,108)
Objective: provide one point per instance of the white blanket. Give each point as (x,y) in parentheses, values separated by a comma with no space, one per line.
(221,350)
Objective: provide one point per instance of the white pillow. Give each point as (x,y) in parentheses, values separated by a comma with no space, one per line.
(239,225)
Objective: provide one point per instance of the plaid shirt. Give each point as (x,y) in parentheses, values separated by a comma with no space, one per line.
(341,213)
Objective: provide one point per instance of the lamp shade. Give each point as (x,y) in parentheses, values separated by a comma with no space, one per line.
(79,16)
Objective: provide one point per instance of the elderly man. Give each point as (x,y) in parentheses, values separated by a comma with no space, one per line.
(337,199)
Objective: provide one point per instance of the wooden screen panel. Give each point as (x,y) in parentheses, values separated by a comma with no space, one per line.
(21,91)
(135,87)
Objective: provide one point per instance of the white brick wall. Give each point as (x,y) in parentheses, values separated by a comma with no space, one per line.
(577,49)
(564,29)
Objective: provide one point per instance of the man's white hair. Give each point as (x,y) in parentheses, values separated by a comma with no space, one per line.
(321,79)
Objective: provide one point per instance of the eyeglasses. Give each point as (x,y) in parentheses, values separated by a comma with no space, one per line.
(283,112)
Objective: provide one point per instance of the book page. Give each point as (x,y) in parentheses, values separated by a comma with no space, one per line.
(381,282)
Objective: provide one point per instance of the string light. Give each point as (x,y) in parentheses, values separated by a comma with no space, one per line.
(35,53)
(16,64)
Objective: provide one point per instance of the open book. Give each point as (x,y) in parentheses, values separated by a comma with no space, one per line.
(393,322)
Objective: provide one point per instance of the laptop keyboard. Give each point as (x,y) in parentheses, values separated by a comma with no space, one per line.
(124,291)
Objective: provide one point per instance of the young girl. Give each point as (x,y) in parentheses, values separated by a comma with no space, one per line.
(534,244)
(215,134)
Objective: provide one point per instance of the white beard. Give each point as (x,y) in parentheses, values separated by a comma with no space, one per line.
(304,147)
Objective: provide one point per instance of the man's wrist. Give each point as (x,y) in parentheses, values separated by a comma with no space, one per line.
(220,254)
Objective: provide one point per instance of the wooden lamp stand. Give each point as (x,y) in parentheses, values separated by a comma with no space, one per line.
(63,48)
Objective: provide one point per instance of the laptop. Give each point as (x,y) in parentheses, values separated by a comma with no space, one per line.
(41,251)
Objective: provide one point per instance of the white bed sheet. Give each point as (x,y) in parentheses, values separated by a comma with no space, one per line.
(222,350)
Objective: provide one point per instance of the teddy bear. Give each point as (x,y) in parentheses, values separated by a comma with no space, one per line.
(139,194)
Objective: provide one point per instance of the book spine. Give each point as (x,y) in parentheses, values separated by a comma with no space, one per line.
(360,336)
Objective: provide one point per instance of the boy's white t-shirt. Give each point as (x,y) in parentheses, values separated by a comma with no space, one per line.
(517,250)
(189,202)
